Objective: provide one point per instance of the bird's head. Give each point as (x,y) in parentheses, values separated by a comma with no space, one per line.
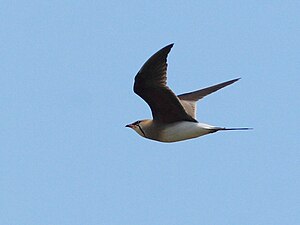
(139,126)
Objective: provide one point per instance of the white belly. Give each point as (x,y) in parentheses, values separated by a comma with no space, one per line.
(184,130)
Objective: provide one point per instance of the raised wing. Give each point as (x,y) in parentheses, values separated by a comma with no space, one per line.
(189,100)
(151,85)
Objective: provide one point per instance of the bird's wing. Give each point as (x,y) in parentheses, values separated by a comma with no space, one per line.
(189,100)
(190,107)
(151,85)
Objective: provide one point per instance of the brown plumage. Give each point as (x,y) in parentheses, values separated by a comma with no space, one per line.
(174,117)
(151,85)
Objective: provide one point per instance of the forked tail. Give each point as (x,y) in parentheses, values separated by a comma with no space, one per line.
(235,128)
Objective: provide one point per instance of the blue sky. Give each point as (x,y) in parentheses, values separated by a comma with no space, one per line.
(67,70)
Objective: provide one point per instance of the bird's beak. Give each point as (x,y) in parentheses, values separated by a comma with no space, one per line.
(129,125)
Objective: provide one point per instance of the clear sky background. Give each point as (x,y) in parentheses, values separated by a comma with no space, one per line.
(66,75)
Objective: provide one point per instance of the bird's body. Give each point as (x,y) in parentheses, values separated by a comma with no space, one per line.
(174,117)
(173,132)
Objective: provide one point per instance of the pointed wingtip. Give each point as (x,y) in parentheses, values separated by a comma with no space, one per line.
(169,46)
(235,80)
(231,81)
(164,50)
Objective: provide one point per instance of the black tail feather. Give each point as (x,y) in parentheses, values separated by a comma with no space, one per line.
(235,128)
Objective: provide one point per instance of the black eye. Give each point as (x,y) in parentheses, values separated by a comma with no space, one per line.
(137,122)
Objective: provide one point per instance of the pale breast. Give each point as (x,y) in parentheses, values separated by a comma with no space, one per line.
(184,130)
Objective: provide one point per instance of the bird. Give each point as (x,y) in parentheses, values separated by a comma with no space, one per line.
(174,117)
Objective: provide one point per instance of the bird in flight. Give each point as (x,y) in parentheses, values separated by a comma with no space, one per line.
(174,117)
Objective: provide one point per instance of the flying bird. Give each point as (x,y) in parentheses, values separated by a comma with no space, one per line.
(174,117)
